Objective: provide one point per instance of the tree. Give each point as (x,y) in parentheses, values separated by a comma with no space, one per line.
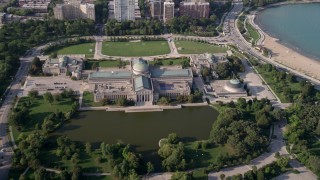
(314,162)
(163,101)
(103,149)
(88,148)
(33,94)
(36,67)
(283,162)
(76,173)
(260,175)
(48,97)
(94,66)
(75,158)
(150,168)
(181,176)
(173,138)
(222,176)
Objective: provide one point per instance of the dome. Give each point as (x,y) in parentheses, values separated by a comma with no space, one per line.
(140,66)
(234,85)
(63,59)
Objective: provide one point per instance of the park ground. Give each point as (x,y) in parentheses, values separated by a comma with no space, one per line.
(135,49)
(84,48)
(191,47)
(39,109)
(252,33)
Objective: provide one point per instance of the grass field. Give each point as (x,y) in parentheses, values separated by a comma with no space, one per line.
(252,32)
(135,49)
(87,161)
(102,63)
(205,157)
(169,62)
(85,48)
(38,110)
(88,100)
(191,47)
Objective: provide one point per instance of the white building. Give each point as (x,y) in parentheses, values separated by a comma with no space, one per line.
(142,84)
(124,10)
(62,66)
(74,10)
(168,10)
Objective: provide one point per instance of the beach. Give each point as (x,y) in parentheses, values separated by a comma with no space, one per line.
(291,58)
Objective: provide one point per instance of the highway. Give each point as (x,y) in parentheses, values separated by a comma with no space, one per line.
(15,89)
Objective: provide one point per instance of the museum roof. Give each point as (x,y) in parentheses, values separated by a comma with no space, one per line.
(111,74)
(157,73)
(142,82)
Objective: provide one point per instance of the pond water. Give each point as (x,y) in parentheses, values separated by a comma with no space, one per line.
(142,130)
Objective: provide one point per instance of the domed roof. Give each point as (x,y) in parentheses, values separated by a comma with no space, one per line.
(233,85)
(140,66)
(63,59)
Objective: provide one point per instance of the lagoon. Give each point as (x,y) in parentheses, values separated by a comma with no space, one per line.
(142,130)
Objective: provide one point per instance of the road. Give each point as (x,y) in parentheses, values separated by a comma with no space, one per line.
(234,36)
(5,110)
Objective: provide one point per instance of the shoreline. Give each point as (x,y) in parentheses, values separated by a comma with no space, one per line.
(288,54)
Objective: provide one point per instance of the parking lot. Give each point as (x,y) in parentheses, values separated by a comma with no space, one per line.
(53,84)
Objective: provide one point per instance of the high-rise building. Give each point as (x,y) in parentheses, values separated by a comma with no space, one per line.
(74,10)
(168,10)
(195,9)
(124,10)
(156,8)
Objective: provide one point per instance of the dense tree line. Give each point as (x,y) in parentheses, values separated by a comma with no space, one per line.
(303,128)
(241,126)
(260,3)
(187,25)
(16,38)
(138,27)
(281,85)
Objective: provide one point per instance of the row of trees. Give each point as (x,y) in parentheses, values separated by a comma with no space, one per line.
(188,25)
(281,85)
(138,27)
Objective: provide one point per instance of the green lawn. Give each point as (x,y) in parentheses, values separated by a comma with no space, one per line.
(86,161)
(102,63)
(88,100)
(191,47)
(38,110)
(169,62)
(252,32)
(135,49)
(84,48)
(203,158)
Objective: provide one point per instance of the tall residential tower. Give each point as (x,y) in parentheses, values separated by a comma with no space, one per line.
(168,10)
(124,10)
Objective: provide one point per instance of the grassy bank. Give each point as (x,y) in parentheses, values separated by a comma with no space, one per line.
(84,48)
(191,47)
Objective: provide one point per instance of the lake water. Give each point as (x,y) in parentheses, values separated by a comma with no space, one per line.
(296,25)
(142,130)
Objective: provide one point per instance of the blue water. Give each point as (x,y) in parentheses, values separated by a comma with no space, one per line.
(296,25)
